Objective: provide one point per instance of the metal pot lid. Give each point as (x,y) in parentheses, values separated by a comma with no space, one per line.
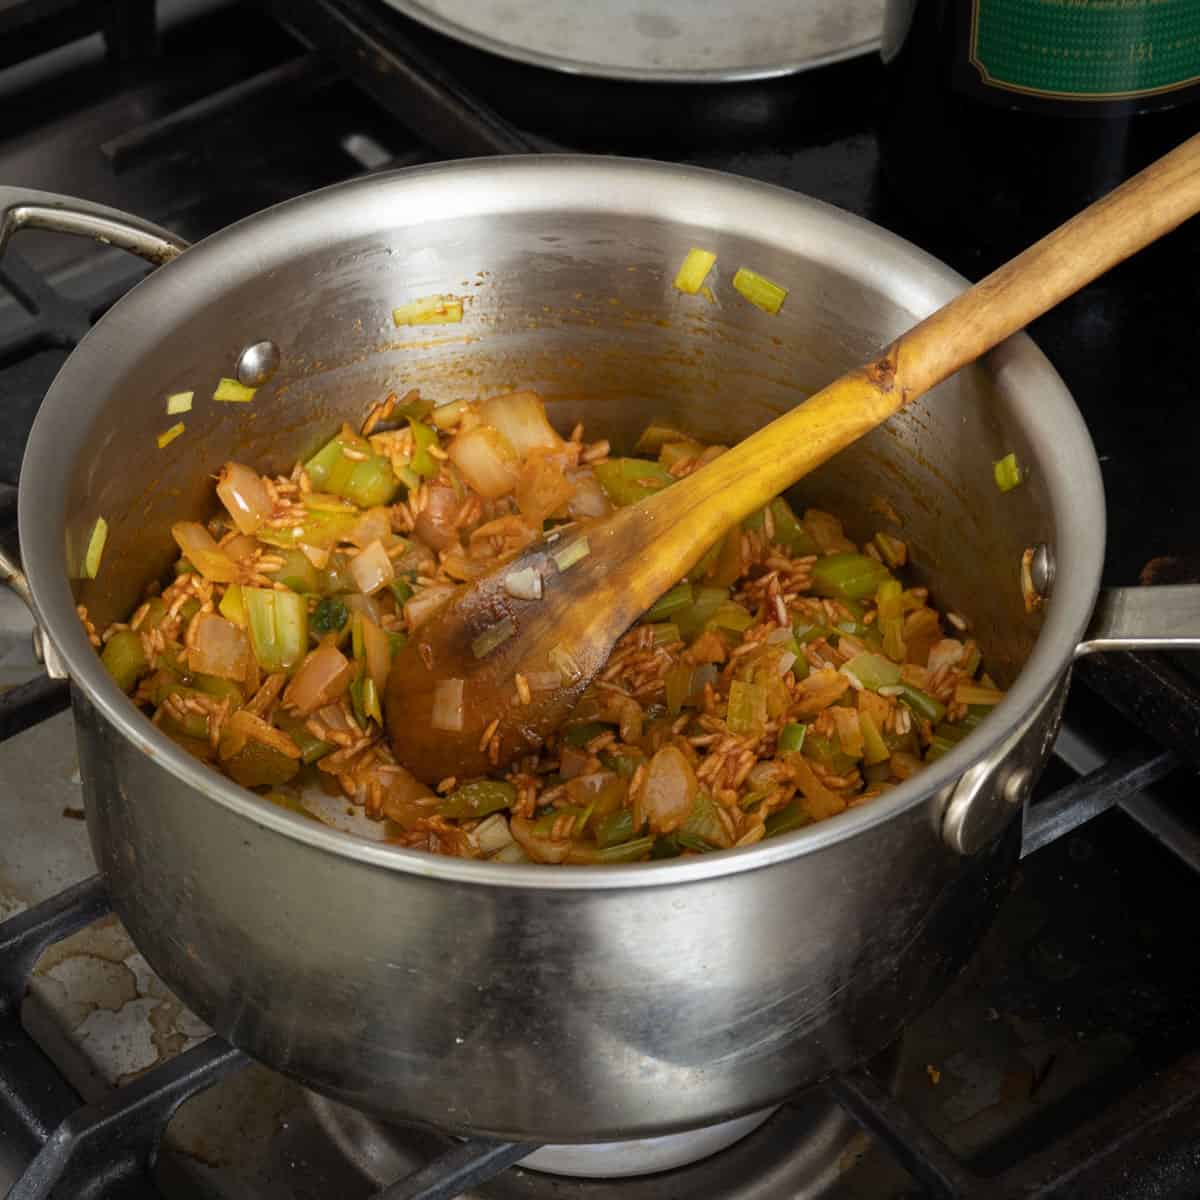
(665,41)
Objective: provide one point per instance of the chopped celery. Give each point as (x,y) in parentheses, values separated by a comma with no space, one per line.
(922,704)
(624,764)
(727,564)
(95,549)
(666,845)
(278,625)
(219,689)
(183,567)
(477,799)
(372,482)
(731,616)
(707,600)
(330,616)
(125,659)
(761,292)
(787,529)
(320,529)
(703,823)
(786,820)
(665,633)
(693,842)
(233,607)
(422,464)
(565,557)
(615,828)
(751,800)
(189,609)
(892,550)
(971,659)
(828,753)
(311,748)
(259,765)
(367,481)
(791,737)
(297,572)
(747,707)
(977,695)
(696,266)
(875,749)
(544,826)
(579,735)
(805,632)
(1007,473)
(630,851)
(848,576)
(678,683)
(679,597)
(628,480)
(232,392)
(873,671)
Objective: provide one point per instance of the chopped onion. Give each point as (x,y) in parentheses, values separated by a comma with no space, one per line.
(372,569)
(320,679)
(492,637)
(230,391)
(525,584)
(539,848)
(94,553)
(542,489)
(179,402)
(406,800)
(243,726)
(429,310)
(487,461)
(521,417)
(492,834)
(378,653)
(563,662)
(315,554)
(245,496)
(375,525)
(565,557)
(203,553)
(167,436)
(367,605)
(425,602)
(668,790)
(447,415)
(448,705)
(435,522)
(786,661)
(946,653)
(217,647)
(589,498)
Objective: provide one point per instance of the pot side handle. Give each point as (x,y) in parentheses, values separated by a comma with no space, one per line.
(23,208)
(1144,618)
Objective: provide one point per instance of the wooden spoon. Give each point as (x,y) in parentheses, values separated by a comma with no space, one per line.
(486,635)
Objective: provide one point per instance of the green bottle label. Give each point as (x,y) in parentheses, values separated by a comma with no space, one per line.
(1086,49)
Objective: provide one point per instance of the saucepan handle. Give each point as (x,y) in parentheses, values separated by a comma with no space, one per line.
(24,208)
(1144,618)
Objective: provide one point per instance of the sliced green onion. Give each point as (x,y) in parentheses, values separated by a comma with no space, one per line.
(429,310)
(229,391)
(922,704)
(565,557)
(694,270)
(791,737)
(1007,473)
(848,576)
(167,436)
(179,402)
(95,549)
(762,293)
(492,637)
(680,596)
(657,436)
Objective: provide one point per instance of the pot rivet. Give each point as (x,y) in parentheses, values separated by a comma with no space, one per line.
(257,363)
(1041,569)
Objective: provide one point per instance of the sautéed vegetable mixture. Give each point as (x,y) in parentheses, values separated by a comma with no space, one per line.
(792,676)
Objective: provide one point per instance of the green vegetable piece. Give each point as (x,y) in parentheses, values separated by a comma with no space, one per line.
(679,684)
(579,735)
(188,609)
(702,825)
(402,590)
(731,616)
(791,737)
(544,825)
(311,747)
(828,752)
(628,480)
(396,642)
(615,828)
(666,845)
(219,689)
(371,482)
(125,659)
(297,572)
(787,820)
(423,464)
(848,576)
(678,598)
(923,705)
(495,635)
(183,567)
(278,627)
(657,435)
(747,707)
(476,799)
(256,765)
(1007,473)
(364,699)
(875,749)
(873,671)
(693,621)
(632,851)
(623,765)
(330,616)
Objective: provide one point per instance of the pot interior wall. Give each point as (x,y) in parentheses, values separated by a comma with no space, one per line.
(581,307)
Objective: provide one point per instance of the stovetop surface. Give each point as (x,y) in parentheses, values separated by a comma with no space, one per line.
(1083,986)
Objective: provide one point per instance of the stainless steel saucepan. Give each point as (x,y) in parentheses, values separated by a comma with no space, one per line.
(526,1002)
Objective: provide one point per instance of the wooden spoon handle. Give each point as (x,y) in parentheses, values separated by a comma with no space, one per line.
(691,515)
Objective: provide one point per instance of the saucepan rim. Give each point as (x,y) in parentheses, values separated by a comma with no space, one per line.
(500,187)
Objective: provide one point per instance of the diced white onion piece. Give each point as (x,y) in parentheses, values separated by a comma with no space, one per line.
(448,705)
(525,584)
(446,415)
(245,496)
(372,569)
(203,553)
(315,555)
(320,680)
(539,847)
(786,661)
(94,553)
(217,647)
(487,461)
(425,602)
(512,853)
(521,417)
(492,834)
(179,402)
(668,790)
(375,525)
(589,499)
(946,653)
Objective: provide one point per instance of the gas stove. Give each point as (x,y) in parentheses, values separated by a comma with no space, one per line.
(1065,1060)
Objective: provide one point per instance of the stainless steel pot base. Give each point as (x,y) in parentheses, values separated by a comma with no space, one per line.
(797,1151)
